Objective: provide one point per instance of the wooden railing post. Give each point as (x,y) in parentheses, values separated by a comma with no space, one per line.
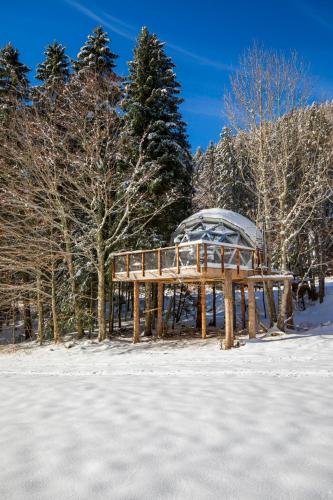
(177,259)
(143,263)
(113,267)
(237,259)
(222,259)
(205,257)
(198,257)
(159,262)
(127,265)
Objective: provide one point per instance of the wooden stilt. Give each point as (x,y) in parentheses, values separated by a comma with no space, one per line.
(252,327)
(228,310)
(160,292)
(243,307)
(136,318)
(203,311)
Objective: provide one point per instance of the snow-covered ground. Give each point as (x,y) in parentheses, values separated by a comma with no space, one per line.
(171,419)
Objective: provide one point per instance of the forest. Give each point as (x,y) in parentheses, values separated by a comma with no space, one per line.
(92,163)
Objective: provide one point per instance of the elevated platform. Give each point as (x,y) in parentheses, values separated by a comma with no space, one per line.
(187,262)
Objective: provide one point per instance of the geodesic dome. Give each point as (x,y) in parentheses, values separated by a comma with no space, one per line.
(220,226)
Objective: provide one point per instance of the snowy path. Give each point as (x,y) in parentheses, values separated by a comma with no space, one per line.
(169,420)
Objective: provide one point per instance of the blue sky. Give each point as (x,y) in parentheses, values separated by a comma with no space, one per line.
(204,38)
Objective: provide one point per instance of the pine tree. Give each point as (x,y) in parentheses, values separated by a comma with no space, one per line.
(228,175)
(14,84)
(54,71)
(95,56)
(153,123)
(206,181)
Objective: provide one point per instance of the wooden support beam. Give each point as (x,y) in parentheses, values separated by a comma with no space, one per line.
(160,297)
(243,307)
(113,267)
(203,311)
(228,310)
(252,327)
(136,312)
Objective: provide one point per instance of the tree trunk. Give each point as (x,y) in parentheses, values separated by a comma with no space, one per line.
(56,330)
(40,314)
(72,280)
(27,319)
(101,287)
(283,307)
(270,303)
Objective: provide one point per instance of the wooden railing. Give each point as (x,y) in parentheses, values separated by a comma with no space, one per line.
(199,255)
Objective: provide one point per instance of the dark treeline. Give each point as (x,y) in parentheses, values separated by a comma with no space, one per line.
(92,163)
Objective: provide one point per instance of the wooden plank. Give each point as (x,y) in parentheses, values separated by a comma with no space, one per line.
(143,263)
(228,310)
(198,257)
(252,327)
(203,311)
(136,313)
(160,293)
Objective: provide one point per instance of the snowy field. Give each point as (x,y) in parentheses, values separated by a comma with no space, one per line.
(173,419)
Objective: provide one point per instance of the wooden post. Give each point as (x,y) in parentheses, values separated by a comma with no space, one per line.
(127,265)
(113,267)
(222,259)
(243,307)
(203,311)
(228,310)
(252,327)
(159,262)
(143,263)
(237,260)
(177,259)
(136,307)
(198,257)
(160,293)
(205,257)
